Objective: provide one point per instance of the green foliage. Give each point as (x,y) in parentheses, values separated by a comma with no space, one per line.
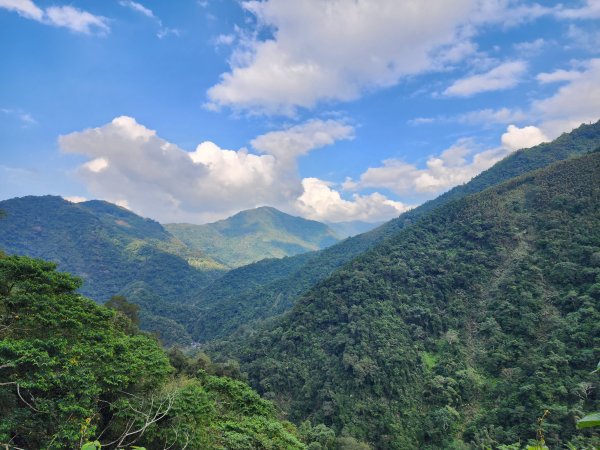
(457,332)
(129,310)
(591,420)
(269,288)
(255,234)
(75,374)
(111,249)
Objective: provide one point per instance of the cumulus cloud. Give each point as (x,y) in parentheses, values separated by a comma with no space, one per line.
(504,76)
(336,50)
(59,16)
(575,102)
(131,165)
(455,165)
(516,138)
(320,201)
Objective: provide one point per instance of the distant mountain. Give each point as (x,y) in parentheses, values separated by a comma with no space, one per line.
(263,290)
(255,234)
(110,247)
(458,331)
(352,228)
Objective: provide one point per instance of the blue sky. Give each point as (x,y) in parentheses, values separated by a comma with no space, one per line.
(333,110)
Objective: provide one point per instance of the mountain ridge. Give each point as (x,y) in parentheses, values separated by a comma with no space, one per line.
(251,235)
(433,338)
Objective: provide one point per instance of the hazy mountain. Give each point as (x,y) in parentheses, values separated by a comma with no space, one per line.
(262,290)
(255,234)
(458,331)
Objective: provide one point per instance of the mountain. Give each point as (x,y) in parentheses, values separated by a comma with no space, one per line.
(458,331)
(263,290)
(352,228)
(109,247)
(255,234)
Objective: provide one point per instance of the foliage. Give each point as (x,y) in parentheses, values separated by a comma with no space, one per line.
(76,374)
(110,248)
(261,291)
(255,234)
(459,331)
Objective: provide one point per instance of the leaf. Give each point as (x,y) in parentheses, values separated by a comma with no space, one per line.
(91,446)
(597,368)
(591,420)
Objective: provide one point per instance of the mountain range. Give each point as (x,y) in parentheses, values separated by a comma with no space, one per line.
(469,322)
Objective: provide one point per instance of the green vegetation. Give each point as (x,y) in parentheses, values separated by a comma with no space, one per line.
(111,249)
(457,332)
(261,291)
(255,234)
(73,372)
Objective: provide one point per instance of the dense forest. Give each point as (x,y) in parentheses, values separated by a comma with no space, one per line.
(259,291)
(458,332)
(73,372)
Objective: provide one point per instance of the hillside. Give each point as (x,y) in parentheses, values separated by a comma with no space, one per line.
(255,234)
(260,291)
(74,371)
(460,330)
(109,247)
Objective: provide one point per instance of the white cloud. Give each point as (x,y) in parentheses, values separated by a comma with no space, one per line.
(455,165)
(25,8)
(492,116)
(301,139)
(75,199)
(504,76)
(76,20)
(25,117)
(320,201)
(530,47)
(574,103)
(224,39)
(590,11)
(558,76)
(517,138)
(59,16)
(137,7)
(141,9)
(130,163)
(336,50)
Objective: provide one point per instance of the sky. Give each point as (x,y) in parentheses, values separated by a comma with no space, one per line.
(333,110)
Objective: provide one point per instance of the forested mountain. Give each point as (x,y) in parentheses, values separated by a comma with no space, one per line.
(460,330)
(112,249)
(72,371)
(265,289)
(255,234)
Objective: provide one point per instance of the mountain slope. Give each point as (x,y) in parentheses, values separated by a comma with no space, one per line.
(255,234)
(107,246)
(260,291)
(460,330)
